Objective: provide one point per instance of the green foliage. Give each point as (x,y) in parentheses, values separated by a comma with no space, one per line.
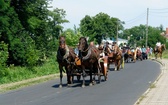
(3,59)
(137,35)
(56,18)
(100,25)
(3,54)
(165,54)
(32,56)
(72,39)
(14,74)
(30,30)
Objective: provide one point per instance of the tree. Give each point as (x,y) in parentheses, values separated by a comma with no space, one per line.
(72,37)
(99,26)
(55,19)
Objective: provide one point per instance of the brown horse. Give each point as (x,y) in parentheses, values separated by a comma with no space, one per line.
(139,55)
(115,57)
(65,59)
(130,56)
(89,56)
(159,50)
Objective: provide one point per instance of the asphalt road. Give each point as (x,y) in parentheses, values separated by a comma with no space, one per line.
(122,88)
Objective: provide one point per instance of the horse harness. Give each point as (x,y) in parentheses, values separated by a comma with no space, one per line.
(89,52)
(65,56)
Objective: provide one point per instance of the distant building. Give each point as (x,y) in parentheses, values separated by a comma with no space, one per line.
(120,41)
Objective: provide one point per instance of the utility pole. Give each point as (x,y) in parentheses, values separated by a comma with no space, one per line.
(146,44)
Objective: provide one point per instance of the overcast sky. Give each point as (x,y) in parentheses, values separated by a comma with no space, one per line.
(133,12)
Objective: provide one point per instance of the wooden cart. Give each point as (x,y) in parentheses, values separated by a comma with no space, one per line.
(103,66)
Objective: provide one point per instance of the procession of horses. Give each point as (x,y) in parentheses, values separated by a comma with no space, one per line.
(94,61)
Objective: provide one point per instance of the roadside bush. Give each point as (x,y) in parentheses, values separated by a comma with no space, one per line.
(3,59)
(165,54)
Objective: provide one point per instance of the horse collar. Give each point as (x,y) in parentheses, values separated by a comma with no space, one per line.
(88,55)
(67,52)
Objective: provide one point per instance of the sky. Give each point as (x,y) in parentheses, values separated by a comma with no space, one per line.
(132,12)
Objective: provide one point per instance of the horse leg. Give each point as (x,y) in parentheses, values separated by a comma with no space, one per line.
(83,75)
(90,73)
(118,65)
(115,68)
(121,63)
(61,76)
(156,56)
(160,55)
(68,75)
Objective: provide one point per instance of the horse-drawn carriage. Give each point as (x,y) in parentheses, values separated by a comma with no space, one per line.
(129,54)
(102,69)
(115,56)
(88,62)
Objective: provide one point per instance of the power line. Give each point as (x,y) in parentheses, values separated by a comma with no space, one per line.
(159,9)
(163,12)
(135,19)
(159,12)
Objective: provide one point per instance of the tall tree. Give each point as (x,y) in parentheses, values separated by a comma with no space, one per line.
(100,26)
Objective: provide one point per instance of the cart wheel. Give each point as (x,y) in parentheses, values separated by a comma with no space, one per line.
(78,77)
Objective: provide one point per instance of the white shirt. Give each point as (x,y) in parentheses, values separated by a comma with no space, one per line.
(158,44)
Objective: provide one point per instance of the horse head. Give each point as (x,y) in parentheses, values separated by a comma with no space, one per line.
(116,49)
(62,42)
(63,51)
(83,47)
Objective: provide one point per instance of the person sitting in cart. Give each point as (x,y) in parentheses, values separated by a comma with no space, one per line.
(114,45)
(76,50)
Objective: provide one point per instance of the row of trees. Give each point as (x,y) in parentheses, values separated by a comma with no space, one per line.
(104,26)
(29,31)
(137,35)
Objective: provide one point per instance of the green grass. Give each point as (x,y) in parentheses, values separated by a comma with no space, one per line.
(15,74)
(165,54)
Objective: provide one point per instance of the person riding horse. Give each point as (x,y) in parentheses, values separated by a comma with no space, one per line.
(159,50)
(115,56)
(158,44)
